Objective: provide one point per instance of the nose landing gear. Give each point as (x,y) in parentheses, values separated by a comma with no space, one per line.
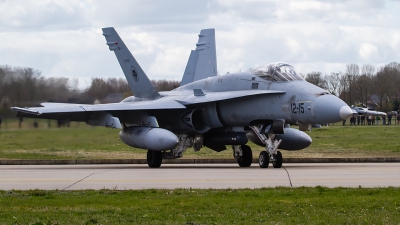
(265,158)
(271,153)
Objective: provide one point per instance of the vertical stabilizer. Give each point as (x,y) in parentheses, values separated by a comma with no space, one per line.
(202,62)
(137,79)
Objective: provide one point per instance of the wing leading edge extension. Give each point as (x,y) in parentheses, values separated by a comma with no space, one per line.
(195,98)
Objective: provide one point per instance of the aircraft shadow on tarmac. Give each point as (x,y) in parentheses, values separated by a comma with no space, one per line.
(178,166)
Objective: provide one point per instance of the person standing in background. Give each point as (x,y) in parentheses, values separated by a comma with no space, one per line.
(369,119)
(398,118)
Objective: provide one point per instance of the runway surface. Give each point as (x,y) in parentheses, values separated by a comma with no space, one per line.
(170,176)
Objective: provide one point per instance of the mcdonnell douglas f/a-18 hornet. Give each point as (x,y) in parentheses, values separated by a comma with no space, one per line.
(207,109)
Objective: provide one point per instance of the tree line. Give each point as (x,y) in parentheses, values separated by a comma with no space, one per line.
(25,86)
(363,85)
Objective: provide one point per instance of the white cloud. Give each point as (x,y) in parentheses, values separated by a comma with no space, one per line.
(43,14)
(368,51)
(169,64)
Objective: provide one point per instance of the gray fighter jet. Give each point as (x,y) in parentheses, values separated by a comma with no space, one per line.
(208,109)
(366,111)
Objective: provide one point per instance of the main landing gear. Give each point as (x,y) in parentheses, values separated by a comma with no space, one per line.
(243,155)
(154,158)
(271,153)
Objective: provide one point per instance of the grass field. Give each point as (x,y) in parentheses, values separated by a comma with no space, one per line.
(279,205)
(81,141)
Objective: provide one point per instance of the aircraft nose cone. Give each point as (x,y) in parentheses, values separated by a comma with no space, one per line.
(345,112)
(330,109)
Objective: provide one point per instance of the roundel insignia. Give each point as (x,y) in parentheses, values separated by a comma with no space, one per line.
(134,74)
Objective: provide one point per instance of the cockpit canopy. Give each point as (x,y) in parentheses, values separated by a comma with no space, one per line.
(277,72)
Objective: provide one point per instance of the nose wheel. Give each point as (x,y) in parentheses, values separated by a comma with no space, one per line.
(278,160)
(265,158)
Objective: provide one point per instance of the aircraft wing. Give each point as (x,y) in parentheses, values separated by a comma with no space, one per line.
(51,108)
(200,97)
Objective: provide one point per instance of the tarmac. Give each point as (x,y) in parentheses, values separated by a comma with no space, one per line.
(199,176)
(125,174)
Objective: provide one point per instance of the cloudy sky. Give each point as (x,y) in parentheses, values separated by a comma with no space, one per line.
(63,38)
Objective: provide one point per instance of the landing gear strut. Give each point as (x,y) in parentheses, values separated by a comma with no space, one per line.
(271,153)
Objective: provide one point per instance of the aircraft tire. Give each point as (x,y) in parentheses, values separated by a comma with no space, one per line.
(278,160)
(247,157)
(263,159)
(154,158)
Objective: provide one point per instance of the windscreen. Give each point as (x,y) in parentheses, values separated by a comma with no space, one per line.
(277,72)
(128,99)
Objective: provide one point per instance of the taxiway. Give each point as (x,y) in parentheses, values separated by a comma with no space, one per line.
(218,176)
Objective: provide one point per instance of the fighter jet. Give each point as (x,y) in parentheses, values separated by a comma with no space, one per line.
(207,109)
(367,111)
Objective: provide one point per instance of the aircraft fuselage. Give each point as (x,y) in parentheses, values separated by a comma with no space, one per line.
(302,103)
